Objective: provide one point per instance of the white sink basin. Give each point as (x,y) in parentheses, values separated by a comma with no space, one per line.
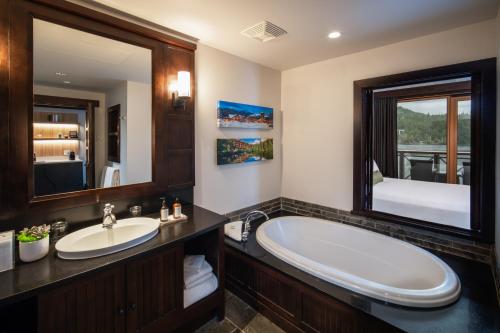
(97,241)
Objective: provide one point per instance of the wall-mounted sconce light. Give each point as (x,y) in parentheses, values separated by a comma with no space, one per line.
(181,92)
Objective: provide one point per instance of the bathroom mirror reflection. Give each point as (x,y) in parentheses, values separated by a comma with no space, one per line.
(421,145)
(92,111)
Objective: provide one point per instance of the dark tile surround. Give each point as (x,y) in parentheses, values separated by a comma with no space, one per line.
(268,207)
(439,242)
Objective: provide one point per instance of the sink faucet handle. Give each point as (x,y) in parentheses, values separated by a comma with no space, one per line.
(109,205)
(109,218)
(108,208)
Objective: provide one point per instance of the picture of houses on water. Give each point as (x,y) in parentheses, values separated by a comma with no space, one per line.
(233,151)
(239,115)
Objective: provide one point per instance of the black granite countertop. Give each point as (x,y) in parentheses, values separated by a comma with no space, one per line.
(476,311)
(27,279)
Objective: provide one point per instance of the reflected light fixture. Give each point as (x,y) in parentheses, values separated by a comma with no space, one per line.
(181,91)
(334,34)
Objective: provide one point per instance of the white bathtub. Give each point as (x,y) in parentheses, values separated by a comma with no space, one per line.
(362,261)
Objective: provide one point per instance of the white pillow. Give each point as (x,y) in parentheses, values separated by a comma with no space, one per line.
(375,166)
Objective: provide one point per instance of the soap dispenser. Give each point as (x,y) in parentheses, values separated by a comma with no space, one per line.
(163,211)
(177,209)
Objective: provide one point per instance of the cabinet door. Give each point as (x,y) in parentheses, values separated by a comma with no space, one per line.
(154,291)
(94,304)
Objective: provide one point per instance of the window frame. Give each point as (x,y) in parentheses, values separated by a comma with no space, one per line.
(452,99)
(483,137)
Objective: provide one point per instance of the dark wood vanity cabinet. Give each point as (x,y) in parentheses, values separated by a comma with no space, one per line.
(141,294)
(144,295)
(290,303)
(154,290)
(92,304)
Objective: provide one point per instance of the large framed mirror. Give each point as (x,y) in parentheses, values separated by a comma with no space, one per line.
(90,114)
(423,148)
(105,139)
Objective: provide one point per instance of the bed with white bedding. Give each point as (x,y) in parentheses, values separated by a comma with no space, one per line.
(434,202)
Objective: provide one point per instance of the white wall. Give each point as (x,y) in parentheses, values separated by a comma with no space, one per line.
(139,111)
(135,130)
(317,103)
(221,76)
(100,116)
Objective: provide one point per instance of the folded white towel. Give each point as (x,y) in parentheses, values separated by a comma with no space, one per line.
(199,281)
(194,261)
(192,275)
(233,230)
(195,294)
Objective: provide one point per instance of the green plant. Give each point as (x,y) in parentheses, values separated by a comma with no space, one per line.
(33,234)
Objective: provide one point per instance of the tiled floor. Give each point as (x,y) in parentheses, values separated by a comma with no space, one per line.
(240,318)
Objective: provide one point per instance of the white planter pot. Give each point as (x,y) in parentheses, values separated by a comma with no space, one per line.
(32,251)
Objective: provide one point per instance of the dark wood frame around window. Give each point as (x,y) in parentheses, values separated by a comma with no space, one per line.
(172,130)
(452,92)
(483,107)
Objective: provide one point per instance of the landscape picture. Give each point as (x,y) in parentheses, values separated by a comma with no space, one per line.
(239,115)
(233,151)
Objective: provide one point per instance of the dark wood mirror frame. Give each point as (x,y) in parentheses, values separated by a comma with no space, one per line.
(483,136)
(172,130)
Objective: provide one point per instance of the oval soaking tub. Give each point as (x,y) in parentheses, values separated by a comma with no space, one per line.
(360,260)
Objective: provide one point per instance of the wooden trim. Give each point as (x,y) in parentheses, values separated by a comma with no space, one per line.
(63,102)
(451,142)
(97,16)
(423,98)
(90,154)
(115,133)
(454,88)
(221,270)
(4,104)
(483,141)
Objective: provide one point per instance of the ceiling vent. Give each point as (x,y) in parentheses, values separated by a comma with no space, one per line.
(264,31)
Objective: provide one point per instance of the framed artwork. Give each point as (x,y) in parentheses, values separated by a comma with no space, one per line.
(234,151)
(237,115)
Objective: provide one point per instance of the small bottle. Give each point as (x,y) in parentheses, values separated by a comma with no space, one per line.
(177,207)
(163,211)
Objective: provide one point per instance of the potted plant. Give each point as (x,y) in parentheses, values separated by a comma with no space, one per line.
(33,243)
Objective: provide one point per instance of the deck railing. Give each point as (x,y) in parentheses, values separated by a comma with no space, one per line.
(439,157)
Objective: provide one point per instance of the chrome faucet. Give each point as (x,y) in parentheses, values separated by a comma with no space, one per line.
(109,218)
(246,223)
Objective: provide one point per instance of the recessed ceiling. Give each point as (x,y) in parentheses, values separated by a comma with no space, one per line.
(364,24)
(71,58)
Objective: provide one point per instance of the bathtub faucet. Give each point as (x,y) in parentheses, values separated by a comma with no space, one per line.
(246,223)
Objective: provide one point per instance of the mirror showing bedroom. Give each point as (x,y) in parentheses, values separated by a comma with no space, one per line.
(91,113)
(421,148)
